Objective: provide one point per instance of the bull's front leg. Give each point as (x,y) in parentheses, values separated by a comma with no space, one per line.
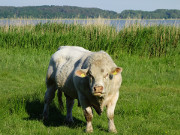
(110,113)
(88,115)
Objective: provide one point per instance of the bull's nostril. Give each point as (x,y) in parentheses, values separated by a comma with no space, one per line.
(98,89)
(94,89)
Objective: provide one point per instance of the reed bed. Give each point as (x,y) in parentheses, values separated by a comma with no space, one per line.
(148,41)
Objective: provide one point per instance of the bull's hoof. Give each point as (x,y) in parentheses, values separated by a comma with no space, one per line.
(113,130)
(89,130)
(69,120)
(45,116)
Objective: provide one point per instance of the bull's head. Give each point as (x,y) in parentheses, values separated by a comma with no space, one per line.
(99,78)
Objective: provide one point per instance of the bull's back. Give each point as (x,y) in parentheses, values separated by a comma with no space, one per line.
(64,62)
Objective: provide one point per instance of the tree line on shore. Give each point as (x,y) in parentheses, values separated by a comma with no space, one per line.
(50,12)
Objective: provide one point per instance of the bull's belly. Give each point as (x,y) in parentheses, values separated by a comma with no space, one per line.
(70,92)
(67,87)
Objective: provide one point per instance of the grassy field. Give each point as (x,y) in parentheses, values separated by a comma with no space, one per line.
(149,101)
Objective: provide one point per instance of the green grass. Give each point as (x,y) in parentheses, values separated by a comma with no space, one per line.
(150,93)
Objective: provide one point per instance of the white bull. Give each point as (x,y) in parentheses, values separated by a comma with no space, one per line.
(91,77)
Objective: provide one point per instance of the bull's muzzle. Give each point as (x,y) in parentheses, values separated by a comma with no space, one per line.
(98,90)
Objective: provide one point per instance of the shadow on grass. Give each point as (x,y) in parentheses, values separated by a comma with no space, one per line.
(56,118)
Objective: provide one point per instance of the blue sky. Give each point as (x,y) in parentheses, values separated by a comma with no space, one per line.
(114,5)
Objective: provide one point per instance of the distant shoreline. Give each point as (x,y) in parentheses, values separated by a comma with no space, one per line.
(68,12)
(78,19)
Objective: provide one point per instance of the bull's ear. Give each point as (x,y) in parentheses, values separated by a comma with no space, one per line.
(117,70)
(81,73)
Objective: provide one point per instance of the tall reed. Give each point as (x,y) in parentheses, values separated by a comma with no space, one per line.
(135,39)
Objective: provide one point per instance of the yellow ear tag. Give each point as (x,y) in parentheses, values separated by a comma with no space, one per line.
(82,75)
(114,73)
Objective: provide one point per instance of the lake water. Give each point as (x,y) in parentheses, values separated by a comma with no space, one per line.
(119,24)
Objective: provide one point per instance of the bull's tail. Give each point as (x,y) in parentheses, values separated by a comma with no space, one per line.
(59,94)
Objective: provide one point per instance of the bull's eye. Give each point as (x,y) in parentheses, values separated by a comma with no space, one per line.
(110,76)
(106,75)
(88,73)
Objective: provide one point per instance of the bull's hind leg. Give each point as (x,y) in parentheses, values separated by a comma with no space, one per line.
(69,107)
(49,96)
(59,94)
